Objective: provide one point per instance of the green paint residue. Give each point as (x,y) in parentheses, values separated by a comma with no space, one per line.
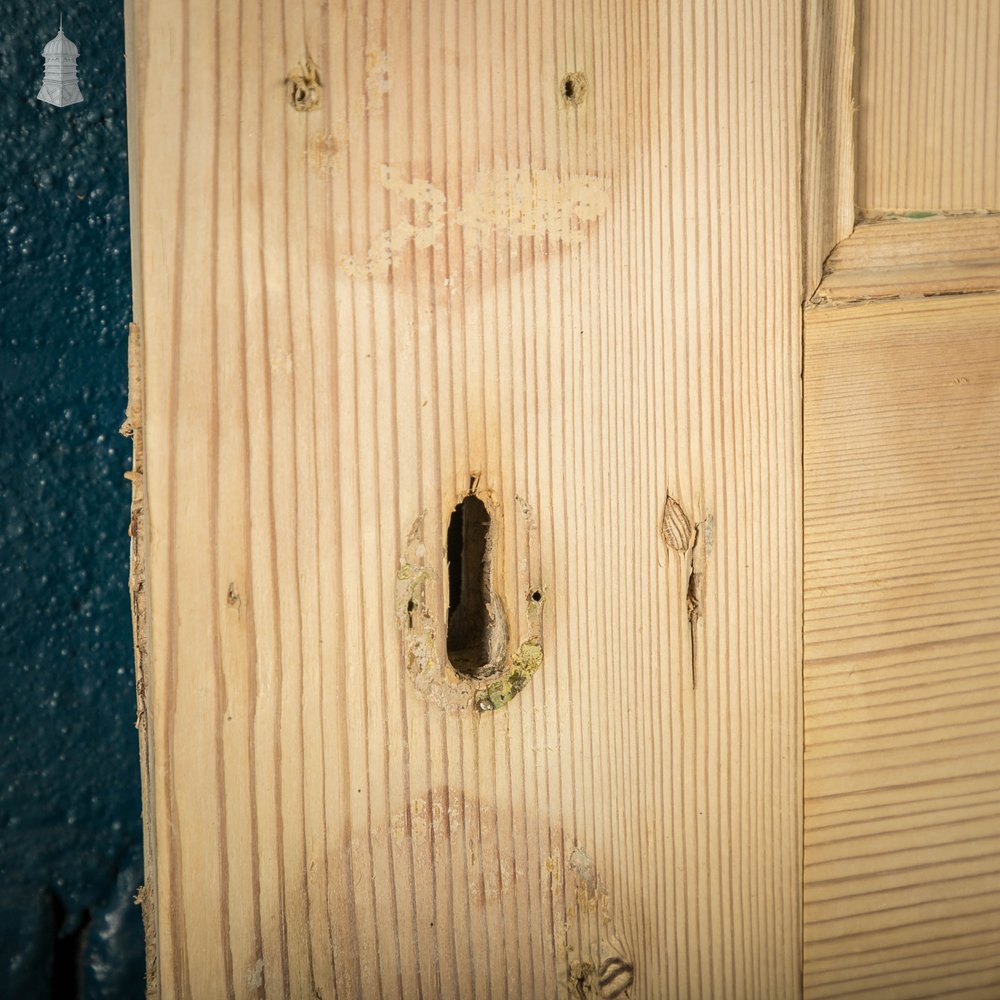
(524,663)
(919,215)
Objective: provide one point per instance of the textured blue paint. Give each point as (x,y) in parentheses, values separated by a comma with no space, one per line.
(70,833)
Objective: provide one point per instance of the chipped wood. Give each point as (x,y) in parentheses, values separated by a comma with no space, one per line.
(133,428)
(675,526)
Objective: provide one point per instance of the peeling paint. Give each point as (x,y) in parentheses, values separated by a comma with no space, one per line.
(514,203)
(376,79)
(534,203)
(524,665)
(255,975)
(326,151)
(423,232)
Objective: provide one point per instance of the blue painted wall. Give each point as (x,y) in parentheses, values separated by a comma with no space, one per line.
(70,833)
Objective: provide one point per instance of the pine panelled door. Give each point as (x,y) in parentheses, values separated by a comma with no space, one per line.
(511,618)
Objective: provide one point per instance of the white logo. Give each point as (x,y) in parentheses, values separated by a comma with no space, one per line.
(59,86)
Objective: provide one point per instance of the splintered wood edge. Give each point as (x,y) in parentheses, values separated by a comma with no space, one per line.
(911,256)
(132,427)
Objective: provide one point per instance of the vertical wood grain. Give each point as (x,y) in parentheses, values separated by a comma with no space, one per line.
(447,270)
(828,153)
(929,105)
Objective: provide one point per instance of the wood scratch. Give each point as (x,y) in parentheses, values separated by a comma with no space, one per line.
(697,562)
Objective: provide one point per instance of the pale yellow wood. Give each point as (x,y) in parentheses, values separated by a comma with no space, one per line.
(902,629)
(914,257)
(383,255)
(828,168)
(929,105)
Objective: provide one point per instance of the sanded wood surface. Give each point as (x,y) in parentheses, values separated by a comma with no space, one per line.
(548,252)
(928,93)
(902,644)
(828,167)
(926,254)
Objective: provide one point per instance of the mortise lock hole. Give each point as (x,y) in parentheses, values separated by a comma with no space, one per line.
(573,89)
(475,645)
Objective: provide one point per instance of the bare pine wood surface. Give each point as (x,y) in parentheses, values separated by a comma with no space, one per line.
(902,628)
(928,105)
(914,257)
(828,155)
(547,252)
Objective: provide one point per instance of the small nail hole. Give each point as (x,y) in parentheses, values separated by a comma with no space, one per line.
(573,89)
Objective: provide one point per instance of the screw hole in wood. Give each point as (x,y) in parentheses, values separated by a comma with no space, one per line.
(573,89)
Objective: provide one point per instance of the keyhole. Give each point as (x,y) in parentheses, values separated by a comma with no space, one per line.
(475,633)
